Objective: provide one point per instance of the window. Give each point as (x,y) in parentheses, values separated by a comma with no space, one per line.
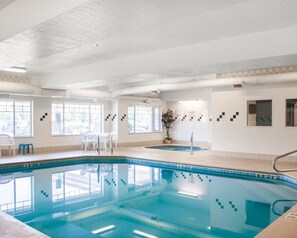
(144,119)
(74,118)
(156,175)
(156,118)
(139,177)
(16,117)
(76,184)
(259,113)
(291,112)
(16,194)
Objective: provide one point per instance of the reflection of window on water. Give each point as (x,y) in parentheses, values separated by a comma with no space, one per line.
(156,175)
(142,176)
(16,194)
(76,184)
(257,213)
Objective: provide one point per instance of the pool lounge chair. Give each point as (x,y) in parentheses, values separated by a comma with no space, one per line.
(7,141)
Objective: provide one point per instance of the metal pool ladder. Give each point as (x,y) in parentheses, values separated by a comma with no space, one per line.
(98,146)
(191,140)
(282,156)
(111,144)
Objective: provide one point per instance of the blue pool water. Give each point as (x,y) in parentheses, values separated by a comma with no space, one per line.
(100,199)
(175,148)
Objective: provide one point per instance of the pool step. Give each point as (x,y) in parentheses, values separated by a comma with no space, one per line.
(48,217)
(62,229)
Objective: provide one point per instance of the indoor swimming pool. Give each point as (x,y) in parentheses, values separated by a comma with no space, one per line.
(127,197)
(175,148)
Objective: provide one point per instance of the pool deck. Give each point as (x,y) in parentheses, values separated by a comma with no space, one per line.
(282,227)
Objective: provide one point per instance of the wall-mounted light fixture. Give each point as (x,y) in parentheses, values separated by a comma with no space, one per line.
(189,101)
(147,101)
(238,85)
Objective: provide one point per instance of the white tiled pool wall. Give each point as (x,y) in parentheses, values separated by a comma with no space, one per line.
(119,159)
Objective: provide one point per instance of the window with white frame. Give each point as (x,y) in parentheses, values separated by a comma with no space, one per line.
(76,185)
(139,177)
(144,119)
(74,118)
(16,117)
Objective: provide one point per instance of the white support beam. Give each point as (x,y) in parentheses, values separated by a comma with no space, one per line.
(248,48)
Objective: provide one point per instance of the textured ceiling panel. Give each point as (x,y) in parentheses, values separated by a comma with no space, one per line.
(5,3)
(120,27)
(105,30)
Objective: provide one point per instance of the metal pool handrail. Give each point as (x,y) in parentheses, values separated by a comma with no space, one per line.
(282,156)
(98,146)
(111,144)
(277,201)
(191,140)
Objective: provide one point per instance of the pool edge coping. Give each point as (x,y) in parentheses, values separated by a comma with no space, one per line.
(214,170)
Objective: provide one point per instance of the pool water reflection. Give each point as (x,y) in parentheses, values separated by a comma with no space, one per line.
(130,200)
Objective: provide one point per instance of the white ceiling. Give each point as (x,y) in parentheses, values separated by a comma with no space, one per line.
(5,3)
(124,43)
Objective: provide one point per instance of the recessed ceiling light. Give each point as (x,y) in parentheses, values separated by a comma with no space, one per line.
(189,101)
(16,69)
(143,234)
(103,229)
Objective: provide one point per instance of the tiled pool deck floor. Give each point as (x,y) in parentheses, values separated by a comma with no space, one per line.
(281,228)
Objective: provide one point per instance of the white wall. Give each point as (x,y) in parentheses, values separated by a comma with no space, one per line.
(192,116)
(233,136)
(114,111)
(123,135)
(236,136)
(42,129)
(224,135)
(42,136)
(196,121)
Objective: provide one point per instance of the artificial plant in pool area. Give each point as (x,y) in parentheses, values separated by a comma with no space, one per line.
(167,120)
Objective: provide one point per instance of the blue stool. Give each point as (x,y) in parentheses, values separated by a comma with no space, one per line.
(26,147)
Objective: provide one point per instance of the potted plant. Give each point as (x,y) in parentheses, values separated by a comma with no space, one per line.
(167,120)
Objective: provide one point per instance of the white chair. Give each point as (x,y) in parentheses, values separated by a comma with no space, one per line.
(104,140)
(7,141)
(88,140)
